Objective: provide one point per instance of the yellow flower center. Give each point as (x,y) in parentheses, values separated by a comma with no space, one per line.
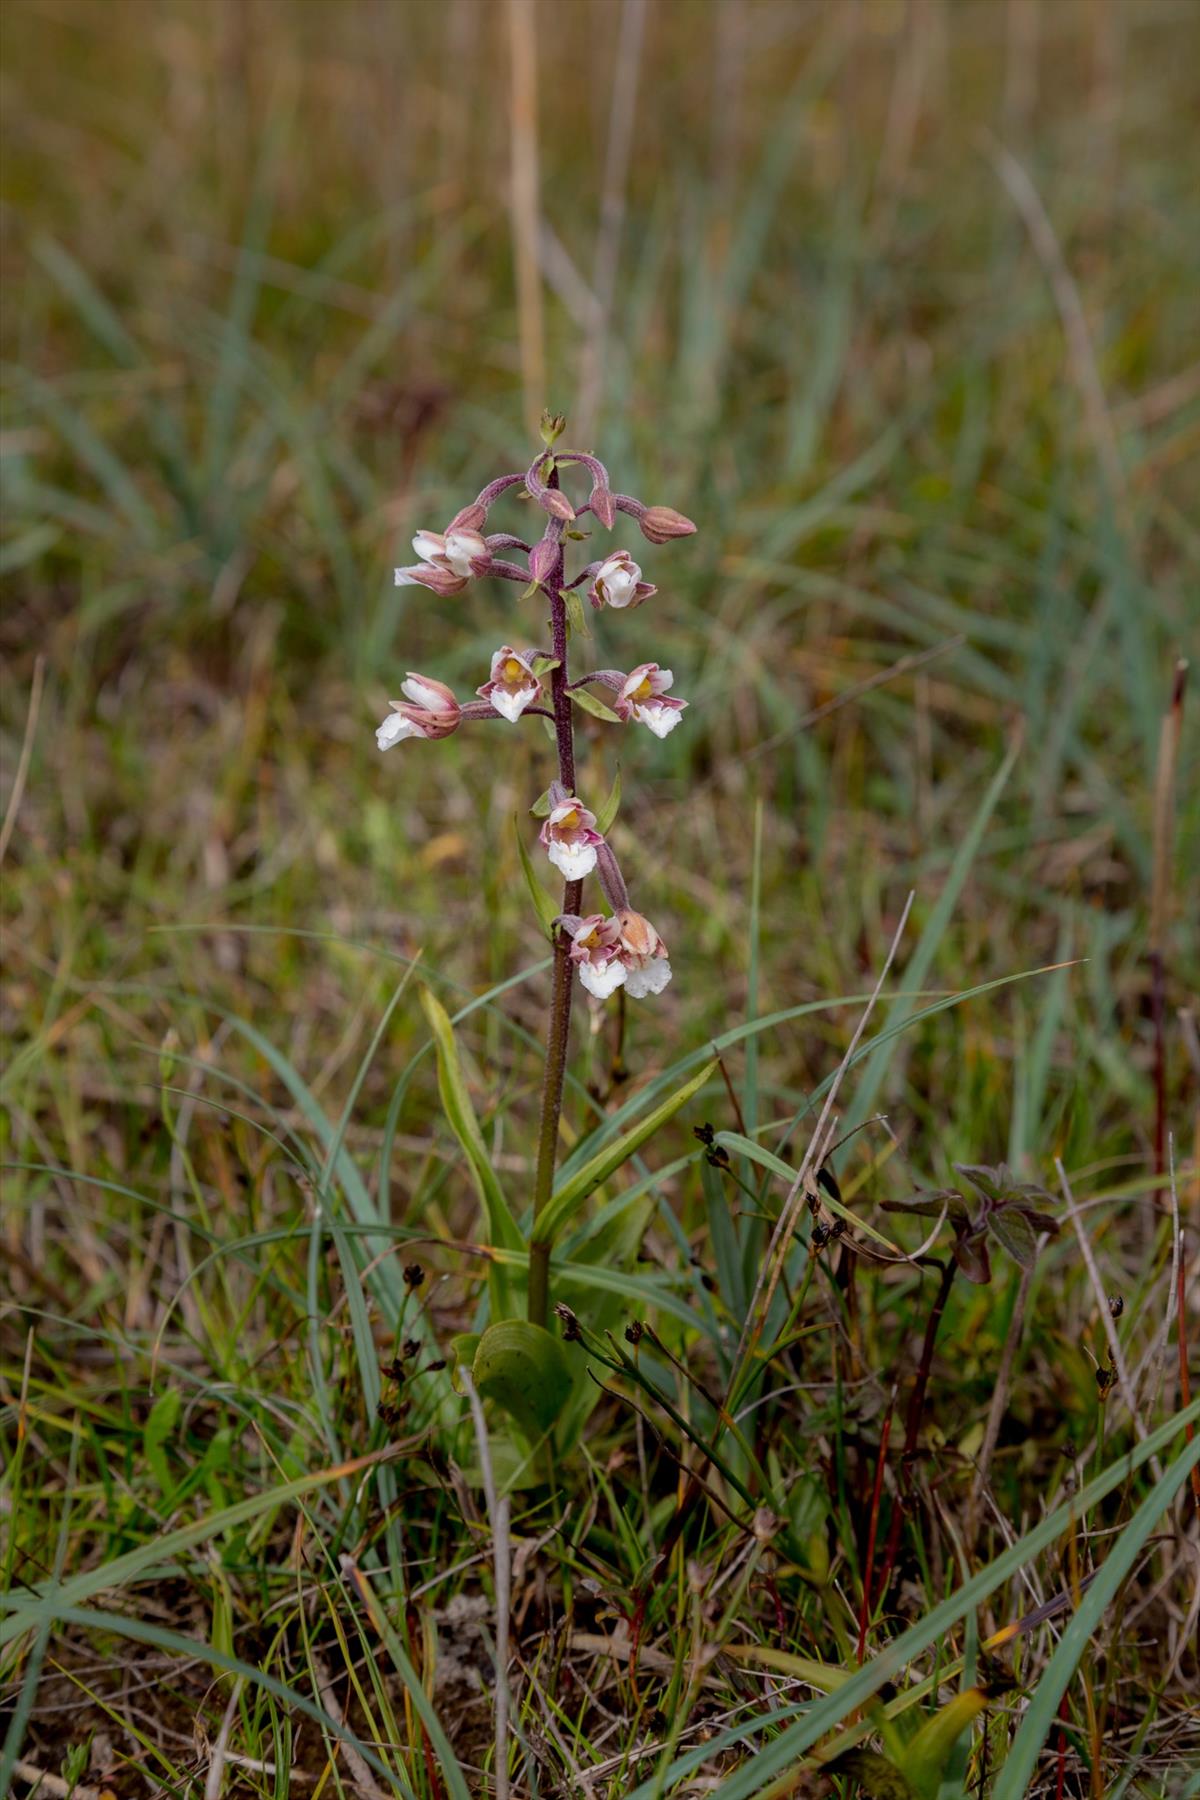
(645,691)
(513,671)
(569,821)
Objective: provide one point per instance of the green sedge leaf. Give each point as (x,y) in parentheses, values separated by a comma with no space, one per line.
(567,1200)
(766,1159)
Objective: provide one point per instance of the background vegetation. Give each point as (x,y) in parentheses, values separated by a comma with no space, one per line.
(899,303)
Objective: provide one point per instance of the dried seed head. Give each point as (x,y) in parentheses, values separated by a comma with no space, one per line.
(414,1275)
(572,1333)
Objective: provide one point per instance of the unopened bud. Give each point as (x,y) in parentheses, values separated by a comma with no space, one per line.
(543,559)
(551,426)
(555,502)
(604,507)
(471,518)
(662,523)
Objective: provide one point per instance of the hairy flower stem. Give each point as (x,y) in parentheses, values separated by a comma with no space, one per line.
(560,1002)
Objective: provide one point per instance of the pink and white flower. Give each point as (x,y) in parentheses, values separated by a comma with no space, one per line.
(647,970)
(431,711)
(641,698)
(570,838)
(461,550)
(449,558)
(595,951)
(513,685)
(431,575)
(618,582)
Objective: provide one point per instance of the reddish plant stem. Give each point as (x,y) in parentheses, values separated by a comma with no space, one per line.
(869,1564)
(912,1424)
(560,1001)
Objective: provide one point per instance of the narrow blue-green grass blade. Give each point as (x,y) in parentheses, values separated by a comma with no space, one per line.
(750,1085)
(766,1159)
(870,1083)
(96,456)
(233,359)
(15,1735)
(774,1759)
(195,1649)
(334,1149)
(26,1611)
(27,548)
(722,1234)
(1013,1779)
(353,1187)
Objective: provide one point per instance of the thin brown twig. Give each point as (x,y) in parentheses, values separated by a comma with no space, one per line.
(22,774)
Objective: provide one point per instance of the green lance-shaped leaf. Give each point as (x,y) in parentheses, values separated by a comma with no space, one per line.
(460,1115)
(570,1197)
(608,812)
(523,1368)
(766,1159)
(926,1757)
(545,908)
(590,704)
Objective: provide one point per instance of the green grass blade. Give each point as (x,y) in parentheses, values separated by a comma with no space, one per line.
(776,1758)
(766,1159)
(460,1116)
(573,1193)
(1052,1684)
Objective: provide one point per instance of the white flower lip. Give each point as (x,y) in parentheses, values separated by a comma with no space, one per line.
(651,978)
(394,730)
(661,719)
(574,860)
(510,703)
(603,979)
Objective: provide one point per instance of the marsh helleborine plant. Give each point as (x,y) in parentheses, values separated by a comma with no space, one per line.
(610,950)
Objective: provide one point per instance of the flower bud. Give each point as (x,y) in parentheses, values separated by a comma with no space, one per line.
(429,710)
(471,518)
(543,559)
(618,582)
(555,502)
(551,427)
(603,506)
(662,523)
(443,581)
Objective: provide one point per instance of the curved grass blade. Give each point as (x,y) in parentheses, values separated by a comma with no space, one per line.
(574,1192)
(1022,1758)
(785,1750)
